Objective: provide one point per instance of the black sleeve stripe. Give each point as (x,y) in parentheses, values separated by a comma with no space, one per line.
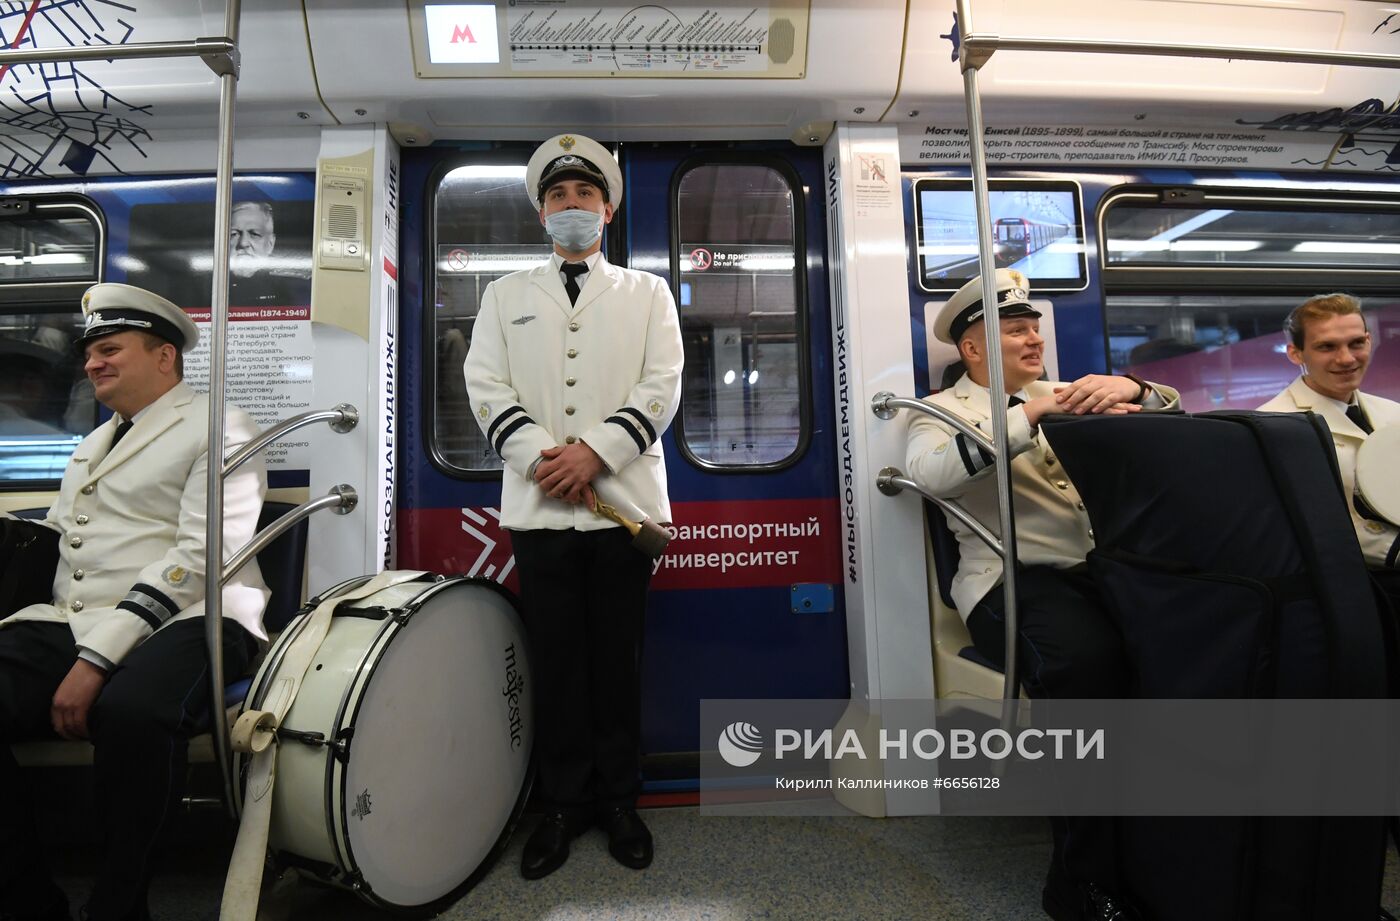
(150,604)
(974,465)
(158,596)
(630,429)
(500,442)
(491,432)
(128,605)
(645,422)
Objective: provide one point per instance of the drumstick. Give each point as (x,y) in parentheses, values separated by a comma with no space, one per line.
(647,536)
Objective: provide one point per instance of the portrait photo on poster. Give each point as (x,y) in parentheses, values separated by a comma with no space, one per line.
(269,252)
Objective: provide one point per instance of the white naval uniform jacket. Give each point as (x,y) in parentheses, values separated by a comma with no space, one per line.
(1376,537)
(131,528)
(606,371)
(1052,528)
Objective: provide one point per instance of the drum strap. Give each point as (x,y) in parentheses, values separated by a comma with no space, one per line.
(255,732)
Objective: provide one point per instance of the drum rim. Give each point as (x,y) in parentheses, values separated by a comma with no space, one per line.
(1363,457)
(341,843)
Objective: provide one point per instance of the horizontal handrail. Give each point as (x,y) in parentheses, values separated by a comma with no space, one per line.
(891,481)
(200,47)
(341,499)
(884,404)
(342,419)
(980,46)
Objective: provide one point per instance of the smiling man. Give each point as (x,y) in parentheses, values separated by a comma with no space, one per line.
(1329,342)
(118,656)
(574,373)
(1069,646)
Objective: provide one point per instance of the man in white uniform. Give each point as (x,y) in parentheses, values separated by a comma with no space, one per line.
(1069,646)
(1329,342)
(574,373)
(118,655)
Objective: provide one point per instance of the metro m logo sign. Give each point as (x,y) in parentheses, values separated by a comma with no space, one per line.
(462,33)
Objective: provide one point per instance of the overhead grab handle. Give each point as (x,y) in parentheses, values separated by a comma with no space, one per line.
(341,499)
(342,419)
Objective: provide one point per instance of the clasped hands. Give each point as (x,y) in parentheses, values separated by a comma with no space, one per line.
(565,471)
(1093,393)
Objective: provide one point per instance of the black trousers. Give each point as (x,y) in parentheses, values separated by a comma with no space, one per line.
(1069,649)
(140,726)
(584,598)
(1389,581)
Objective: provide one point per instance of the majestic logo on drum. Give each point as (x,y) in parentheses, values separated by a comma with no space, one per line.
(741,744)
(361,808)
(515,685)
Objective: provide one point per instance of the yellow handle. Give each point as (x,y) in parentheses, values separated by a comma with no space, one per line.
(603,510)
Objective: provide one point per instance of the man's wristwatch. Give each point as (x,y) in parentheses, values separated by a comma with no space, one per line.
(1143,387)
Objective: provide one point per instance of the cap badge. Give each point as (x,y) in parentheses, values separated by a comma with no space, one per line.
(93,319)
(87,299)
(1020,293)
(567,142)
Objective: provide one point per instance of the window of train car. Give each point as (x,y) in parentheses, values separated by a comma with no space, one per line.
(737,261)
(482,228)
(50,252)
(1197,284)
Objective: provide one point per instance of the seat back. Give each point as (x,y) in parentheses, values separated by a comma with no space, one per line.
(959,670)
(283,564)
(946,555)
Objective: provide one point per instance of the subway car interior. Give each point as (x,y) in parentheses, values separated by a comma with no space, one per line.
(1171,179)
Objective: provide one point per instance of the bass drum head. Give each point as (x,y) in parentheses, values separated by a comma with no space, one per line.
(1376,463)
(440,755)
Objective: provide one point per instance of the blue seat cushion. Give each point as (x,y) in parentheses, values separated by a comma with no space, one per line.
(234,693)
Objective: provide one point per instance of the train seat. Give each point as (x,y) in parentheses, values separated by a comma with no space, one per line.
(283,565)
(959,670)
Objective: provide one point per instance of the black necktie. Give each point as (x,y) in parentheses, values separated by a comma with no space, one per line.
(1356,414)
(1013,401)
(572,270)
(122,429)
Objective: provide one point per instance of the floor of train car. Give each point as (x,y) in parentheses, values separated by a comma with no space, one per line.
(716,868)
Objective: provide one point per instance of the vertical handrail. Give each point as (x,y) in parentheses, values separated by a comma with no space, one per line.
(992,324)
(218,332)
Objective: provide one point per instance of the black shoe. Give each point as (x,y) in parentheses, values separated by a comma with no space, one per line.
(1100,906)
(548,846)
(628,839)
(1064,900)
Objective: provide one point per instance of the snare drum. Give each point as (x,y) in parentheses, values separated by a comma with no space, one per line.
(404,762)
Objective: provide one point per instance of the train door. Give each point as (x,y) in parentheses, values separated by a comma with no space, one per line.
(744,601)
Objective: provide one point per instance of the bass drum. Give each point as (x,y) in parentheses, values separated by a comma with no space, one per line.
(404,762)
